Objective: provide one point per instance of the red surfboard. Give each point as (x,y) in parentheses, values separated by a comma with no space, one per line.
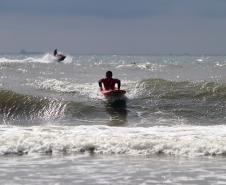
(113,93)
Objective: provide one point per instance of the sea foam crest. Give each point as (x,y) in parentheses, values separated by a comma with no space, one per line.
(87,89)
(143,66)
(49,58)
(46,58)
(90,90)
(178,141)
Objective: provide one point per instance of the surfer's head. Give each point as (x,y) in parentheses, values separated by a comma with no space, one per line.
(108,74)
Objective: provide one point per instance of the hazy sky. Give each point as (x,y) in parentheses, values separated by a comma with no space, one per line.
(114,26)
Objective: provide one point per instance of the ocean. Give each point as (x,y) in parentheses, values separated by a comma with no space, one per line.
(57,128)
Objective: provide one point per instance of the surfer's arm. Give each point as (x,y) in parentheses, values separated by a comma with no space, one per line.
(119,84)
(100,84)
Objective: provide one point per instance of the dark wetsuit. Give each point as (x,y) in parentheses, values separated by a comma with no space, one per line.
(55,52)
(109,83)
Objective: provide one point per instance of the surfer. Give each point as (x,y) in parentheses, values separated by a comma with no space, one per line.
(59,57)
(55,52)
(109,82)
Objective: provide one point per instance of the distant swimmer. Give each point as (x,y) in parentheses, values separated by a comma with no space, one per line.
(109,82)
(59,57)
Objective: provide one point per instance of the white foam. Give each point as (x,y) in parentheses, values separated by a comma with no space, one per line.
(90,90)
(43,59)
(46,58)
(87,89)
(7,60)
(179,141)
(142,66)
(134,89)
(49,58)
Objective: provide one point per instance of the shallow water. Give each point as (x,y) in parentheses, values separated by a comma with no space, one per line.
(95,169)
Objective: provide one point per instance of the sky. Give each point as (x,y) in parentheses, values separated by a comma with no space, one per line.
(114,26)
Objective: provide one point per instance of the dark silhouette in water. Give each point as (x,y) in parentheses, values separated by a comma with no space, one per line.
(59,57)
(55,52)
(117,110)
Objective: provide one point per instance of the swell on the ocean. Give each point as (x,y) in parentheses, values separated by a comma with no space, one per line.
(166,94)
(191,100)
(165,89)
(14,106)
(23,109)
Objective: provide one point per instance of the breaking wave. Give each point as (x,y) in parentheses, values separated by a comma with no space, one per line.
(146,99)
(15,106)
(104,140)
(46,58)
(164,89)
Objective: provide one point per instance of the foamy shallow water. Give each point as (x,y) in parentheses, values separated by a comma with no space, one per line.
(96,169)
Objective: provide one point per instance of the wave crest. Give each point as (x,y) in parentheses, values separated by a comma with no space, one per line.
(178,141)
(164,89)
(16,106)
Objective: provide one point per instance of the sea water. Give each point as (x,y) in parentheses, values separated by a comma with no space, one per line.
(56,127)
